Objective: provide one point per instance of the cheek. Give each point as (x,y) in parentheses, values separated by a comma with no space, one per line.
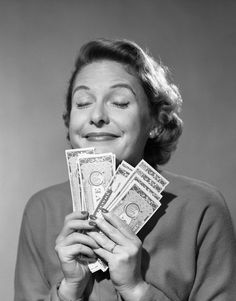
(76,120)
(137,126)
(128,120)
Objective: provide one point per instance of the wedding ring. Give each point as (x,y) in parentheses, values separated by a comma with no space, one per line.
(112,249)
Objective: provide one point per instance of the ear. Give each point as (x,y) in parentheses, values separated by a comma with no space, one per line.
(155,130)
(153,133)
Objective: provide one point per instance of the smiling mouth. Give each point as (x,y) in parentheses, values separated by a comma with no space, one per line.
(101,136)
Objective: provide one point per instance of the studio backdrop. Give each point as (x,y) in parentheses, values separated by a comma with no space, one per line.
(38,44)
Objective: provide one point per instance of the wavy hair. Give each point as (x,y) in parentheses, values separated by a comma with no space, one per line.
(164,98)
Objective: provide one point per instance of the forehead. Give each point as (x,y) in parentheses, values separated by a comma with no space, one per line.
(105,73)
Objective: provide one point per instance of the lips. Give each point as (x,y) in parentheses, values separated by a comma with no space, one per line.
(100,136)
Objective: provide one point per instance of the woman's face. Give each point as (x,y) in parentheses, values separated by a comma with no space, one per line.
(109,111)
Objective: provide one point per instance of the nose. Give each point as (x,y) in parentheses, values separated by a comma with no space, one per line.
(99,115)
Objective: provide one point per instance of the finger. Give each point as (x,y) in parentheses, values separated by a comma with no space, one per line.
(82,259)
(72,225)
(81,238)
(110,232)
(119,224)
(71,252)
(86,260)
(77,215)
(103,241)
(104,254)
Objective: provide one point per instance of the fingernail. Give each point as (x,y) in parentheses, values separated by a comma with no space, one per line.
(91,223)
(92,217)
(84,212)
(104,210)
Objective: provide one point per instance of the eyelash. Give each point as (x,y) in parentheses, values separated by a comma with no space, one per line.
(117,104)
(121,105)
(82,105)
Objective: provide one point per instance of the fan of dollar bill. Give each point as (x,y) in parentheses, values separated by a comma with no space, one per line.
(132,193)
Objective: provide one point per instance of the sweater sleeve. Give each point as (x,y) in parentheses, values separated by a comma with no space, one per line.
(30,281)
(209,261)
(215,255)
(154,294)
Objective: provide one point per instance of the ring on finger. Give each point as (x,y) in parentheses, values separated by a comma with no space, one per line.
(113,247)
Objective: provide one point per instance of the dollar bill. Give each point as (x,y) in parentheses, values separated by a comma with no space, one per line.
(98,265)
(144,178)
(126,178)
(153,173)
(116,184)
(147,179)
(133,194)
(136,206)
(126,165)
(96,172)
(74,179)
(144,184)
(118,180)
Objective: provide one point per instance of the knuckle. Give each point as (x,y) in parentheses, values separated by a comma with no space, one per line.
(67,218)
(104,241)
(69,223)
(125,258)
(74,235)
(79,248)
(137,247)
(130,254)
(138,243)
(58,239)
(57,249)
(134,250)
(113,231)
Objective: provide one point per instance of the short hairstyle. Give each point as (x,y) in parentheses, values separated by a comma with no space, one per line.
(164,98)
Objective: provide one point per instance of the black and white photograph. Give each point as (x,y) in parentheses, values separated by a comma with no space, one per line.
(118,153)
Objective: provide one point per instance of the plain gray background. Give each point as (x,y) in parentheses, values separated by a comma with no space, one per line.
(38,44)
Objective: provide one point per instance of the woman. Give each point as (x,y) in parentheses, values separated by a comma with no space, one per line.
(120,100)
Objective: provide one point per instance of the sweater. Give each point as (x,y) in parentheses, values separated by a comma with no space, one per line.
(189,247)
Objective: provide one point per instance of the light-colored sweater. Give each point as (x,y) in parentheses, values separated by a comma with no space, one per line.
(189,248)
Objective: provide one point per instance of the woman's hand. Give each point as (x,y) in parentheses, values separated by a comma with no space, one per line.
(121,248)
(75,250)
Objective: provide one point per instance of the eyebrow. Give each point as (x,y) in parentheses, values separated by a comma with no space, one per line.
(80,88)
(123,85)
(120,85)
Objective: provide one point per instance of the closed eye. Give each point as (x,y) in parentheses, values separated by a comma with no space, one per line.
(121,105)
(82,105)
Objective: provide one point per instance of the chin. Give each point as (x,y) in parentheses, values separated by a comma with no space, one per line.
(99,149)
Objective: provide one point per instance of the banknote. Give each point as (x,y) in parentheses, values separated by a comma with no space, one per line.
(120,184)
(145,186)
(74,179)
(117,182)
(133,194)
(98,265)
(95,172)
(136,206)
(153,173)
(145,179)
(126,165)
